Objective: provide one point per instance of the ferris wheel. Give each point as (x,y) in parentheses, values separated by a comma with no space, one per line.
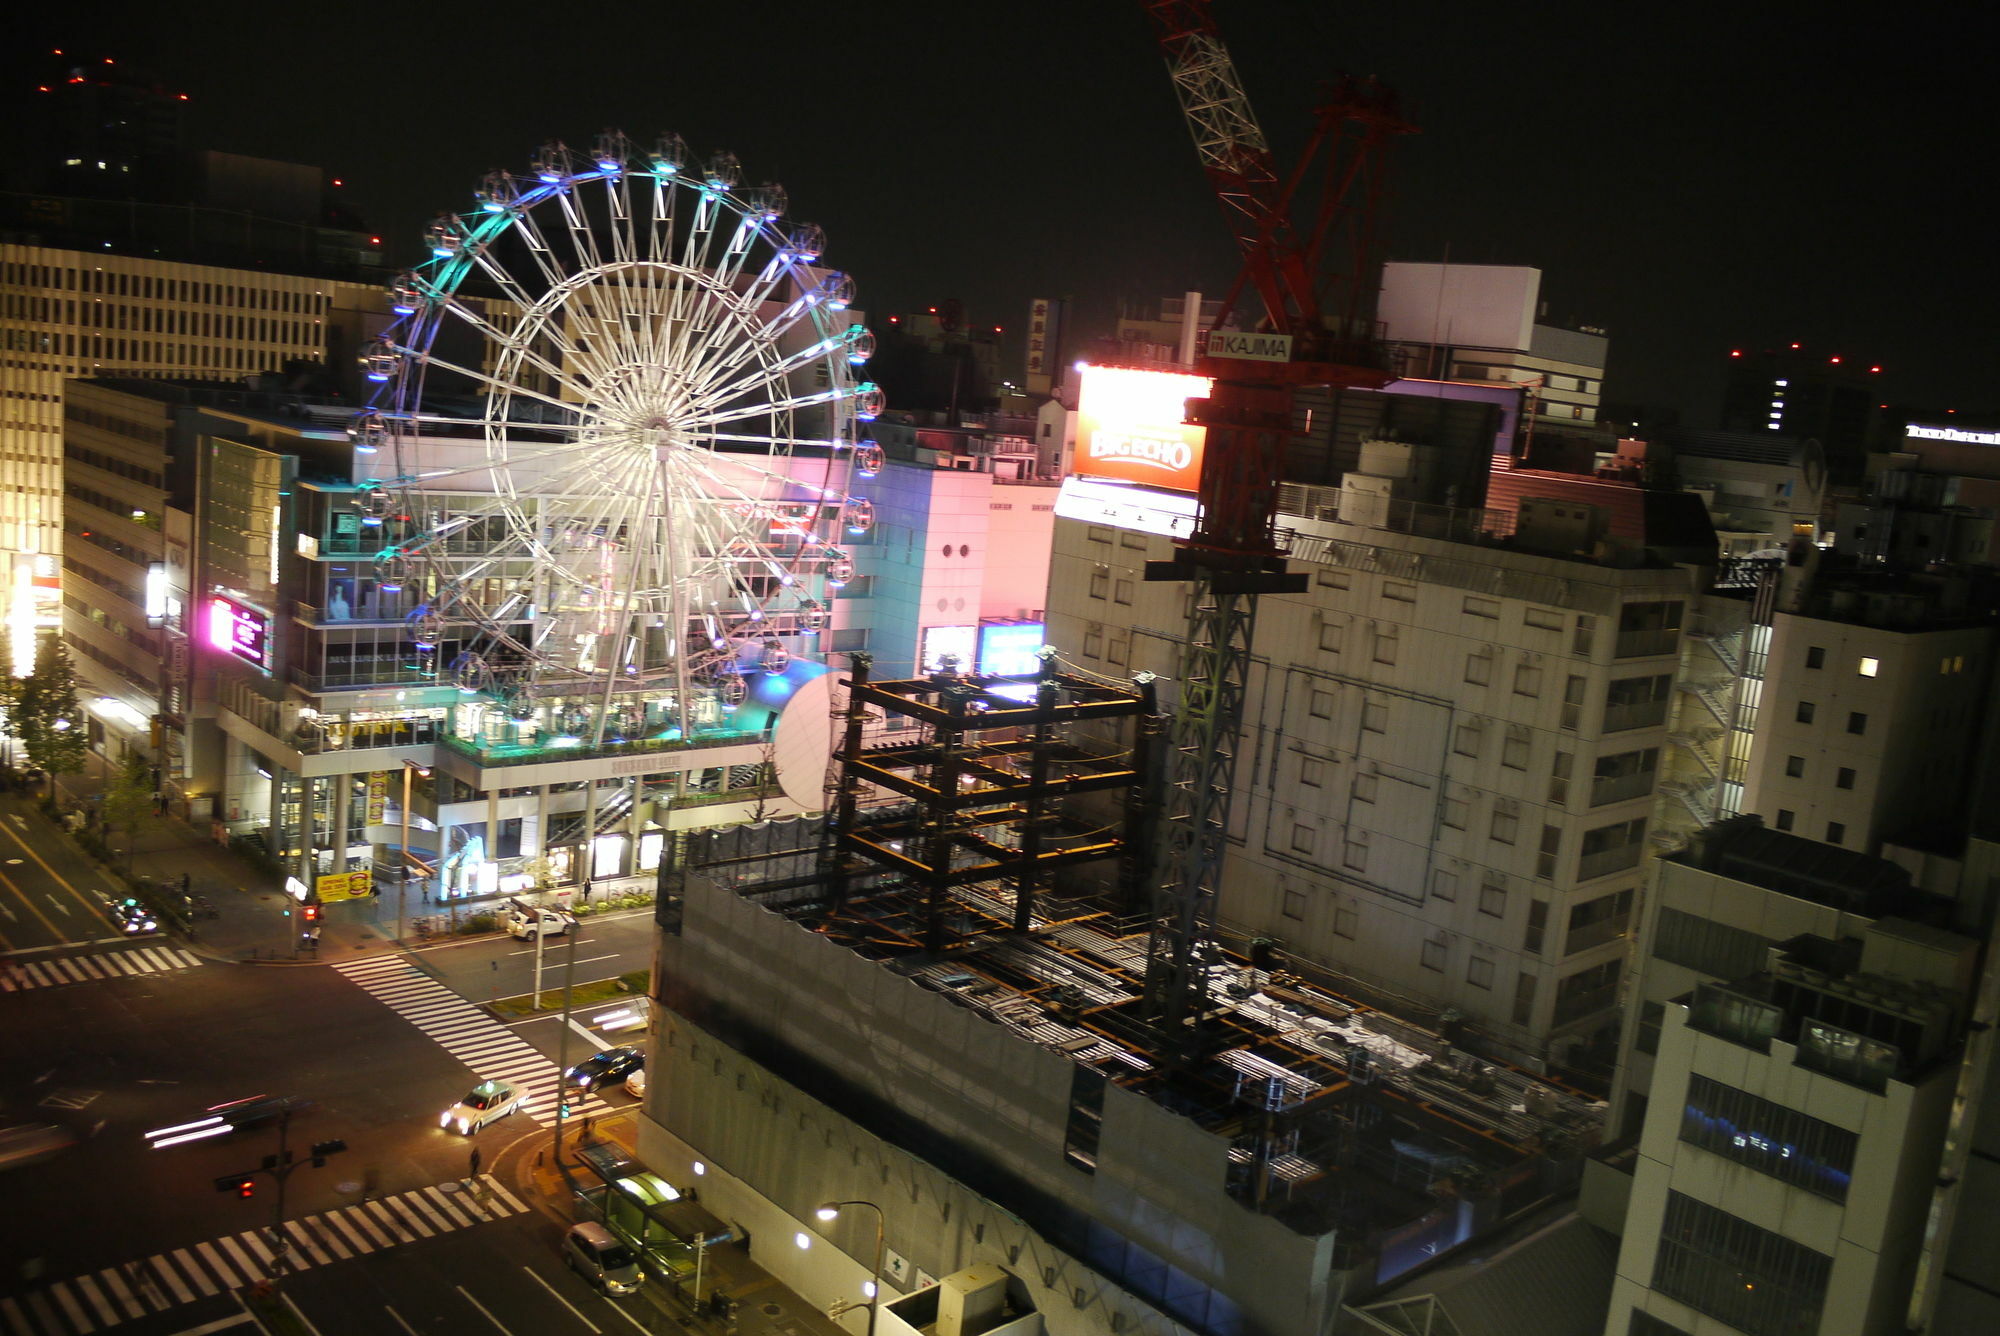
(620,417)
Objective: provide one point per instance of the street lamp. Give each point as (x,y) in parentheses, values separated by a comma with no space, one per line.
(403,881)
(831,1211)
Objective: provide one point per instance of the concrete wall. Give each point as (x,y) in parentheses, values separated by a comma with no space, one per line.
(997,1102)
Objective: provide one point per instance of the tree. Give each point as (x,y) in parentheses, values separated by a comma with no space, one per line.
(45,715)
(128,800)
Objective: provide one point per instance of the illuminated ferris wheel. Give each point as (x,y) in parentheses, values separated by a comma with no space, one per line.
(620,419)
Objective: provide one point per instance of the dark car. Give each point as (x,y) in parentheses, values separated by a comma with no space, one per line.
(608,1068)
(220,1120)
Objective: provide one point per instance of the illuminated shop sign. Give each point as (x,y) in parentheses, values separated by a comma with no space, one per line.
(1249,347)
(1011,649)
(236,629)
(1130,425)
(1916,433)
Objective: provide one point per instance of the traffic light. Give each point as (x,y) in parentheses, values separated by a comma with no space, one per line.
(243,1185)
(322,1149)
(312,913)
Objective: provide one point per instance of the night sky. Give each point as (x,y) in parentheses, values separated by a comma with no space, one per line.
(1691,177)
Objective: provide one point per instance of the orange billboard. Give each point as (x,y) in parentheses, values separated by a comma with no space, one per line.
(1130,426)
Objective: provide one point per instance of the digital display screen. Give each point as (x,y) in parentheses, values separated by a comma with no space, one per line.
(959,642)
(1011,649)
(238,630)
(1132,425)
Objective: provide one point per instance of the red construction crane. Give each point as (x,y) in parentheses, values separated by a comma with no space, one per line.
(1321,316)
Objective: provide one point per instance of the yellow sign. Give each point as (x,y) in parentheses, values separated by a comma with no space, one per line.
(338,886)
(378,795)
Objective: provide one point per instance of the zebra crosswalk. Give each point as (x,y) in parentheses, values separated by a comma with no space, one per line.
(22,974)
(489,1048)
(84,1304)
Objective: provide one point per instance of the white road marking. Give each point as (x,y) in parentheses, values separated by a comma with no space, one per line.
(537,1276)
(482,1308)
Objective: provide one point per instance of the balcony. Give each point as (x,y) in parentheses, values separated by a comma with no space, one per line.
(1589,1002)
(1596,934)
(1622,788)
(1647,642)
(1639,714)
(1589,867)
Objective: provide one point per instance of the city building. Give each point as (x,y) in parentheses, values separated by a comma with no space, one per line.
(1454,736)
(1761,490)
(1485,322)
(1828,397)
(1802,1016)
(202,265)
(1932,497)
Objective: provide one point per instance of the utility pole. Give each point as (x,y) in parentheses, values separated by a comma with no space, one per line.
(562,1048)
(279,1167)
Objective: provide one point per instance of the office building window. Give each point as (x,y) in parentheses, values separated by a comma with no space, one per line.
(1479,667)
(1815,656)
(1444,885)
(1479,972)
(1121,592)
(1302,838)
(1354,851)
(1481,607)
(1752,1279)
(1506,823)
(1836,831)
(1100,583)
(1527,680)
(1845,779)
(1466,740)
(1805,712)
(1375,716)
(1346,922)
(1514,748)
(1795,767)
(1385,645)
(1702,944)
(1320,706)
(1329,638)
(1364,788)
(1869,667)
(1312,773)
(1785,818)
(1857,723)
(1768,1137)
(1493,896)
(1294,905)
(1433,956)
(1398,592)
(1457,814)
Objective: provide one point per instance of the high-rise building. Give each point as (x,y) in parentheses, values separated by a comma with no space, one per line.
(1483,322)
(1831,398)
(1453,738)
(1799,1102)
(123,253)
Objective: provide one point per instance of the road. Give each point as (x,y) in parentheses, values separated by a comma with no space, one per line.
(50,894)
(377,1047)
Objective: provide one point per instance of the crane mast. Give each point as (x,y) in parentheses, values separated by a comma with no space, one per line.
(1233,554)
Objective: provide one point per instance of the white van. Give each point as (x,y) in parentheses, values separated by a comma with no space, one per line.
(525,920)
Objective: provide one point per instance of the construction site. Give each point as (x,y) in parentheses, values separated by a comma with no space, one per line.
(913,976)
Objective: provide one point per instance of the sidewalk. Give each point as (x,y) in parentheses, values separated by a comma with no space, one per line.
(256,920)
(764,1307)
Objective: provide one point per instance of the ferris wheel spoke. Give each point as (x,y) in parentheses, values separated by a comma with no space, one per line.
(519,346)
(508,389)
